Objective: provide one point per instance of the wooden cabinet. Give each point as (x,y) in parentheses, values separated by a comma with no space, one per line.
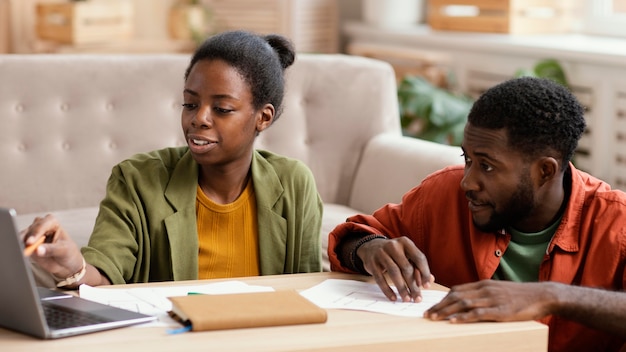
(85,22)
(504,16)
(5,26)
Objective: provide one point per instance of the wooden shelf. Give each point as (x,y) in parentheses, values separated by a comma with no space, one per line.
(120,47)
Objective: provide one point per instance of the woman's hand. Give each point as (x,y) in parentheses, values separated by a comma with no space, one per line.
(58,254)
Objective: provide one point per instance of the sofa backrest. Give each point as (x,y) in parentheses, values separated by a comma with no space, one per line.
(334,105)
(65,120)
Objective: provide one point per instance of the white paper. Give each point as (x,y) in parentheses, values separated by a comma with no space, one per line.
(153,300)
(357,295)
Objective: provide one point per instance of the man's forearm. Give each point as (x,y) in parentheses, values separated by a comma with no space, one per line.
(599,309)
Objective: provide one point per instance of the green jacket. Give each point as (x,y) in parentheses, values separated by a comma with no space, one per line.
(146,226)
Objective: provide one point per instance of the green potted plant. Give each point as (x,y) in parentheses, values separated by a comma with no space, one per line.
(430,112)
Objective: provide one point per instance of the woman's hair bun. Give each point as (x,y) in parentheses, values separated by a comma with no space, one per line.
(283,47)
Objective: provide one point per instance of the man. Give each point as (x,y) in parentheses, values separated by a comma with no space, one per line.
(518,233)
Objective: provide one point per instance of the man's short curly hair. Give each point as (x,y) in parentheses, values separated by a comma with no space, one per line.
(540,116)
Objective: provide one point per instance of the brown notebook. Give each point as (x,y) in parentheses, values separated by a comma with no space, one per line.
(245,310)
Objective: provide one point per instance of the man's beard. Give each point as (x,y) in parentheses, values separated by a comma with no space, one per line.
(519,206)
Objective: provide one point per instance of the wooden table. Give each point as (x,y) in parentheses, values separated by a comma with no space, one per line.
(344,331)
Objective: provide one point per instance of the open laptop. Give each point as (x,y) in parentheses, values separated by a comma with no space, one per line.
(33,310)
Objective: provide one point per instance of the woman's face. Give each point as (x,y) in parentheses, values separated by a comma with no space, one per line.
(218,118)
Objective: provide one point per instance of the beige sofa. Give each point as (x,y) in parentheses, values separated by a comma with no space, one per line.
(66,120)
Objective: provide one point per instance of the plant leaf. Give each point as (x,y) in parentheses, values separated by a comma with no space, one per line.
(551,69)
(441,114)
(524,72)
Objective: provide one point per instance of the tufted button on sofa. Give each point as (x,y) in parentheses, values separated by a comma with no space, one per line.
(65,120)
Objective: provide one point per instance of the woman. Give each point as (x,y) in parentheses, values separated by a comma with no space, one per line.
(214,208)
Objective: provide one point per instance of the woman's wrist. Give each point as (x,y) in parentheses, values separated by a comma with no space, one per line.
(74,278)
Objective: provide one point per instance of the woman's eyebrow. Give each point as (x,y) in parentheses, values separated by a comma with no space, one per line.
(191,92)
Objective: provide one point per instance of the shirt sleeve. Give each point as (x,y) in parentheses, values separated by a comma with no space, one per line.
(391,220)
(113,244)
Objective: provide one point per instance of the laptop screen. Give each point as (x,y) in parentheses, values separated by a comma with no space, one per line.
(21,308)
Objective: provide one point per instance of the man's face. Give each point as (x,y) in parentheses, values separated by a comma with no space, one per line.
(497,181)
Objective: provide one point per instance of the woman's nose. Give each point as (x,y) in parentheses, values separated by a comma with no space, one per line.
(202,118)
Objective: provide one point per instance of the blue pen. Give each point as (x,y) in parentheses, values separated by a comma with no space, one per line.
(179,330)
(185,323)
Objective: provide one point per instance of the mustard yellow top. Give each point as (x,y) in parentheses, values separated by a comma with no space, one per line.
(228,236)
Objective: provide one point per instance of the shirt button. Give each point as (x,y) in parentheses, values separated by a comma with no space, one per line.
(498,253)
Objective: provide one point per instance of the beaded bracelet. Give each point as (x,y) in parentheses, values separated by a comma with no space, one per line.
(74,278)
(356,262)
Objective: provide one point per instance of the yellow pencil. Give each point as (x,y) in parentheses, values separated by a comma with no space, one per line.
(31,248)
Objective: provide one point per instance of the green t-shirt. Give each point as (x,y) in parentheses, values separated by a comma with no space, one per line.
(524,255)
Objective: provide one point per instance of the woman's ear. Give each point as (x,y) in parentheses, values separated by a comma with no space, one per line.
(265,117)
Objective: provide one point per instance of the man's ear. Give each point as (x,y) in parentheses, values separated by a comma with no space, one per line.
(547,168)
(265,117)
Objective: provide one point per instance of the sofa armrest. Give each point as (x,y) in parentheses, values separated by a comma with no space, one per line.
(391,165)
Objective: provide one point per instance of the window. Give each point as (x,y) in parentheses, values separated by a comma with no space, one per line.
(605,17)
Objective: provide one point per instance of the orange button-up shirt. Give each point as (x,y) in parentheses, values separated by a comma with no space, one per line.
(588,248)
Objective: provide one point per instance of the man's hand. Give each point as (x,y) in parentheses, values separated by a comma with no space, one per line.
(491,300)
(405,265)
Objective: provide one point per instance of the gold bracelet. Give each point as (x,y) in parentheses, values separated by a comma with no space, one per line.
(74,278)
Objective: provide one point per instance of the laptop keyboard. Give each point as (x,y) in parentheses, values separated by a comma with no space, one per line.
(62,317)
